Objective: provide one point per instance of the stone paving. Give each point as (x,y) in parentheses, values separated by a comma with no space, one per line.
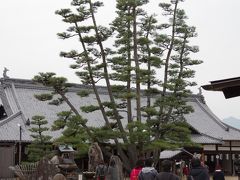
(231,178)
(226,178)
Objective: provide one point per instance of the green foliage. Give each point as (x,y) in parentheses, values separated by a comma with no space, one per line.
(160,144)
(140,134)
(83,93)
(145,55)
(108,104)
(104,134)
(151,91)
(60,123)
(43,97)
(37,151)
(173,135)
(150,111)
(41,145)
(59,84)
(73,132)
(89,108)
(56,102)
(117,88)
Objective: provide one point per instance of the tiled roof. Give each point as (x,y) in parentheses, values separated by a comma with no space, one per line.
(205,122)
(168,154)
(20,96)
(205,139)
(10,130)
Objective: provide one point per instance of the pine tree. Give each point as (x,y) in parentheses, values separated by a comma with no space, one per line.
(142,49)
(172,101)
(41,145)
(74,133)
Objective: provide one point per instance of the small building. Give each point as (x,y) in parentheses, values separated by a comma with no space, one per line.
(18,106)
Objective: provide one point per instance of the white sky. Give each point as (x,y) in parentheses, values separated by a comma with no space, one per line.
(28,42)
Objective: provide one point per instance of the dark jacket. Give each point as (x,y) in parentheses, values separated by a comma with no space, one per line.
(199,173)
(113,173)
(101,170)
(218,175)
(147,173)
(166,176)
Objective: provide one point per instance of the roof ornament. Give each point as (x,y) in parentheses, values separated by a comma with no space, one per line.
(200,91)
(201,95)
(5,70)
(28,122)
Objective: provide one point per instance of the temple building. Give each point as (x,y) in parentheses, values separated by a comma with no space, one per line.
(18,105)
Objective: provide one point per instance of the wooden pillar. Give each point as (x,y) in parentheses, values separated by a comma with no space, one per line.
(230,144)
(217,155)
(20,145)
(202,157)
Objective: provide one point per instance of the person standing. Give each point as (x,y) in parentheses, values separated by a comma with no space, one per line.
(218,173)
(166,174)
(135,171)
(198,172)
(148,172)
(186,170)
(101,171)
(113,171)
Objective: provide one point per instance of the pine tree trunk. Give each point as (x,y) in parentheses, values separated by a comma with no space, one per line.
(106,75)
(180,72)
(137,67)
(169,55)
(76,112)
(116,114)
(149,69)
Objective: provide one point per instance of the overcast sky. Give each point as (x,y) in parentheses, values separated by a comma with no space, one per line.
(28,42)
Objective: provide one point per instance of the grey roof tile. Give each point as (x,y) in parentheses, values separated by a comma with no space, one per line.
(10,130)
(202,119)
(168,154)
(11,99)
(204,139)
(205,122)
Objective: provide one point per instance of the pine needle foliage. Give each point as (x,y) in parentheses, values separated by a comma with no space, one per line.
(146,67)
(41,145)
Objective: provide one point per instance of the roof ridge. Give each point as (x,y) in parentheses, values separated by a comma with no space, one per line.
(30,84)
(15,96)
(4,100)
(220,139)
(231,126)
(214,117)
